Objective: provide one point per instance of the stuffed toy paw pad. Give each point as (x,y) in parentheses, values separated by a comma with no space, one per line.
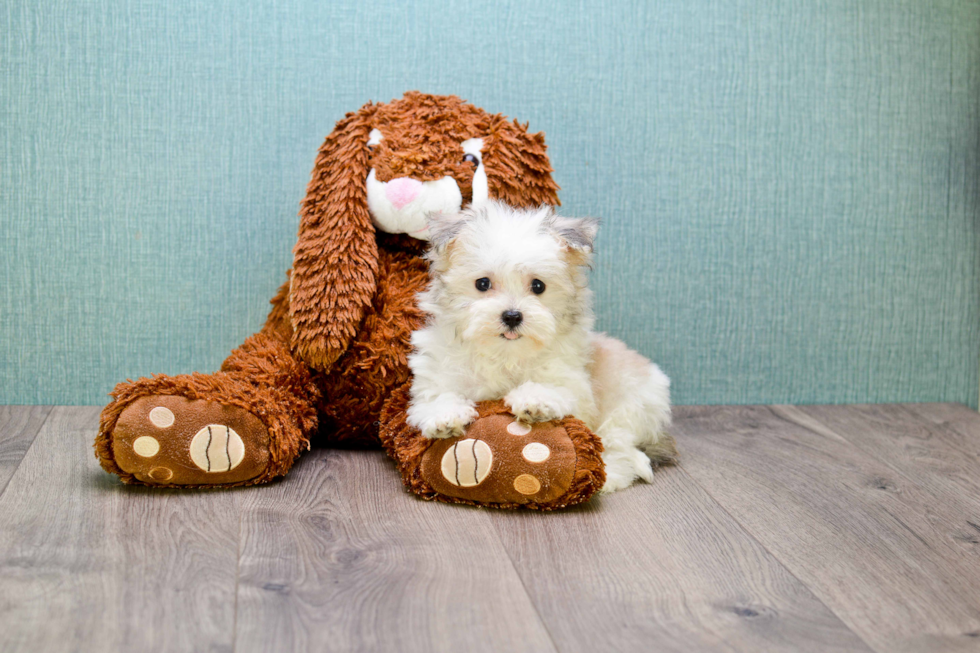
(502,460)
(172,440)
(499,462)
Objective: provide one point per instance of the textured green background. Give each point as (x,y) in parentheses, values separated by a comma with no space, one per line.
(789,188)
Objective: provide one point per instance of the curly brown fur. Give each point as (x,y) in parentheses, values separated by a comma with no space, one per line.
(336,342)
(422,136)
(261,376)
(377,361)
(335,267)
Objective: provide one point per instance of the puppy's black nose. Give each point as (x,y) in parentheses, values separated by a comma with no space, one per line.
(511,318)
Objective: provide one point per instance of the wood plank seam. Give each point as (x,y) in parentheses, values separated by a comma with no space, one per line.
(949,442)
(340,552)
(517,572)
(663,563)
(87,564)
(817,426)
(847,543)
(47,415)
(238,576)
(775,557)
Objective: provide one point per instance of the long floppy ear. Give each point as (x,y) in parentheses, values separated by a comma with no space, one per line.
(335,261)
(517,165)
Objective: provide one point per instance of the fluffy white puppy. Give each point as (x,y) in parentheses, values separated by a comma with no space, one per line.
(510,316)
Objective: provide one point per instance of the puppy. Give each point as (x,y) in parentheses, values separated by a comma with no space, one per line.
(510,316)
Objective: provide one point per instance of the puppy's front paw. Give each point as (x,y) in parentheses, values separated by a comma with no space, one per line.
(446,426)
(533,402)
(442,418)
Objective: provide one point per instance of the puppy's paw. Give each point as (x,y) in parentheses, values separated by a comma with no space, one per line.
(445,417)
(533,402)
(446,426)
(623,467)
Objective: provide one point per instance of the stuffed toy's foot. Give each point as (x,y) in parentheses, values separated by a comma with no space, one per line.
(167,440)
(499,462)
(194,431)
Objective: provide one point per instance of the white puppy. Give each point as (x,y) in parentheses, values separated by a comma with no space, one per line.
(510,316)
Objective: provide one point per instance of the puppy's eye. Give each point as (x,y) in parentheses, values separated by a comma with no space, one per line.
(483,284)
(471,158)
(537,286)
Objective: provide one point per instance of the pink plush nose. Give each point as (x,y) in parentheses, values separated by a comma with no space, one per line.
(403,190)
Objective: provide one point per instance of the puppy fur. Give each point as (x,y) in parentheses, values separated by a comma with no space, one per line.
(548,364)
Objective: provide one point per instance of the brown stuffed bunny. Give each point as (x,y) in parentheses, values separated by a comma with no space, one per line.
(334,347)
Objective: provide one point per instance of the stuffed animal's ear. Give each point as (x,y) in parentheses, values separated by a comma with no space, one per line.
(335,262)
(577,234)
(517,165)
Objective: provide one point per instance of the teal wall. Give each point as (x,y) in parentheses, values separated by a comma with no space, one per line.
(790,189)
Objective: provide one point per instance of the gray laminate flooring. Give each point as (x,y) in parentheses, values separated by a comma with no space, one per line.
(816,528)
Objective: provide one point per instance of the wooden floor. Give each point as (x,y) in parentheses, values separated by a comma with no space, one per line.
(784,529)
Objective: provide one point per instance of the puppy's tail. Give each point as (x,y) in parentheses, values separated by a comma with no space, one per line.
(663,451)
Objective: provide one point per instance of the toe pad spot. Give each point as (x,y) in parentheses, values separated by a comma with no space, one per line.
(527,484)
(146,446)
(536,452)
(161,474)
(517,428)
(161,417)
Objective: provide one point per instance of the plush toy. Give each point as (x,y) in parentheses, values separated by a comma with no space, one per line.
(334,348)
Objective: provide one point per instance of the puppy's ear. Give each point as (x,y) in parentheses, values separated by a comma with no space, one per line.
(517,165)
(444,227)
(335,261)
(577,234)
(443,231)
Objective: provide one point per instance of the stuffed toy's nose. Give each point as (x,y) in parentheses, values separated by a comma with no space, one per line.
(403,190)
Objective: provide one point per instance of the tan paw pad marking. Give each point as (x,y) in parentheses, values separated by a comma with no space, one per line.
(146,446)
(536,452)
(517,428)
(161,474)
(527,484)
(161,417)
(217,448)
(467,462)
